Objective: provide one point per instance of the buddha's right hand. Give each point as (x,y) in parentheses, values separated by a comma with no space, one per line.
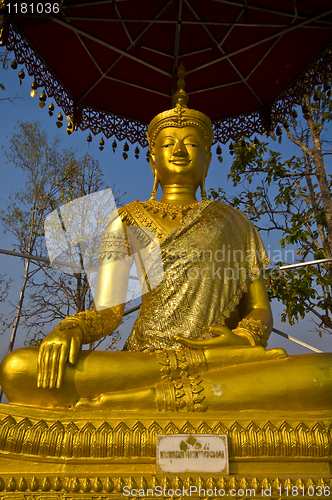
(58,347)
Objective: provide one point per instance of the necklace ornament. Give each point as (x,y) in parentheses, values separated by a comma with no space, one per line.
(167,210)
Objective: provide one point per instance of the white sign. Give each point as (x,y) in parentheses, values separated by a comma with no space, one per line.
(192,453)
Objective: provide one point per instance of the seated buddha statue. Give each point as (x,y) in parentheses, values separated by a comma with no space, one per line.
(199,341)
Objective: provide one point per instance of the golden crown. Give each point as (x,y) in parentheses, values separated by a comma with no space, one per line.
(180,116)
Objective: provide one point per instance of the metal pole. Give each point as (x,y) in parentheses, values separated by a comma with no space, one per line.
(47,261)
(293,339)
(299,264)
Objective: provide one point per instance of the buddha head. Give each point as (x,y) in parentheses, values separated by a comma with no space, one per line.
(180,142)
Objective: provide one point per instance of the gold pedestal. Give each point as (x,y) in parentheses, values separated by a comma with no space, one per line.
(48,454)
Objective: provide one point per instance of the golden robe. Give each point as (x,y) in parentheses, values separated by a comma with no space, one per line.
(209,262)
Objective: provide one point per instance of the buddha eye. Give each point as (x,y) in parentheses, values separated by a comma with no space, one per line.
(166,146)
(190,144)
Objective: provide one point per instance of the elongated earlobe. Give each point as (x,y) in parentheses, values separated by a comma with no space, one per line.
(155,187)
(202,186)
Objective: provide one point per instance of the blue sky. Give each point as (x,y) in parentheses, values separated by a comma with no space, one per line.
(132,177)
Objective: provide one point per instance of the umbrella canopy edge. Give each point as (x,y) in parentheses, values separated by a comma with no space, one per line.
(123,128)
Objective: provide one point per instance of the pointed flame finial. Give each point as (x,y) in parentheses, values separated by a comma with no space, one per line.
(180,97)
(180,116)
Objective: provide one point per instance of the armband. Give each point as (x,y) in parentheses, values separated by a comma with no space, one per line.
(254,330)
(93,325)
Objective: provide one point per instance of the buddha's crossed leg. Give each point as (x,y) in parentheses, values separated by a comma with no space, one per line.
(234,378)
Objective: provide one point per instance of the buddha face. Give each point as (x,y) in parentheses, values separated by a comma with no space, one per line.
(179,156)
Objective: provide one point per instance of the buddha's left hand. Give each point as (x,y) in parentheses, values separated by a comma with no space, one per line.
(224,337)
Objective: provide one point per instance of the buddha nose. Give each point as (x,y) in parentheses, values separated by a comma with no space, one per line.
(180,149)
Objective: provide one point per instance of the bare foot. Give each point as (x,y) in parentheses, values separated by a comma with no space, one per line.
(138,399)
(86,403)
(276,353)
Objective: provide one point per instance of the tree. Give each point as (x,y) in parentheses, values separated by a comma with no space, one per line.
(293,198)
(3,53)
(4,61)
(62,291)
(4,289)
(54,179)
(41,165)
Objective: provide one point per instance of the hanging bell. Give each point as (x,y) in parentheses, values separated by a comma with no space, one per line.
(60,119)
(21,76)
(34,87)
(42,99)
(218,150)
(114,146)
(278,131)
(51,109)
(256,141)
(316,97)
(70,125)
(231,149)
(286,125)
(294,113)
(101,144)
(137,152)
(125,149)
(13,64)
(89,138)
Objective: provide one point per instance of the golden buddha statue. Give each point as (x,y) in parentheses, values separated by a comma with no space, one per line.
(200,337)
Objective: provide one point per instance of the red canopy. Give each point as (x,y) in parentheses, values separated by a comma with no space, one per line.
(112,64)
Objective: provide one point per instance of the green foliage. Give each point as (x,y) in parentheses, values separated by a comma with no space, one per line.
(292,197)
(298,289)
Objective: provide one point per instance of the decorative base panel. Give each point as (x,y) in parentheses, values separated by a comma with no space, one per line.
(57,454)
